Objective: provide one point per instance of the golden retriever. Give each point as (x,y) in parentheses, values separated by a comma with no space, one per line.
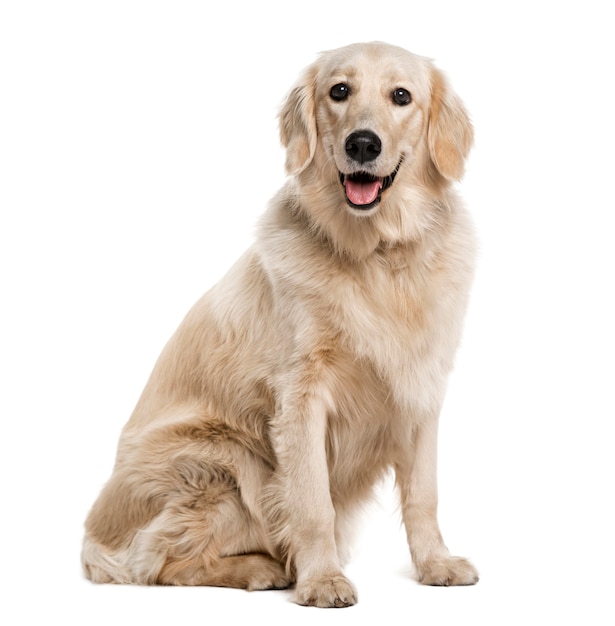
(317,363)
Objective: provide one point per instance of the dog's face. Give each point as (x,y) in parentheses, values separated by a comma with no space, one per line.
(366,114)
(370,112)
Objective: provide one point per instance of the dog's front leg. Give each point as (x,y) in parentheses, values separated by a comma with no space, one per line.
(417,481)
(299,435)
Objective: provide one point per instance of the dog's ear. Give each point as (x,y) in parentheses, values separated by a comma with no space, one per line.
(298,123)
(450,134)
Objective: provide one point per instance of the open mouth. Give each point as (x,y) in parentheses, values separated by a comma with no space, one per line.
(363,190)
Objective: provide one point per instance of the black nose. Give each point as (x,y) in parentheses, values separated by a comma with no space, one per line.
(363,146)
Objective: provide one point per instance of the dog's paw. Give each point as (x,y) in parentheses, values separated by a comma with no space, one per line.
(268,575)
(448,571)
(326,592)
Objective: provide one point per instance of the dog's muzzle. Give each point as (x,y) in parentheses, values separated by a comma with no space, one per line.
(363,189)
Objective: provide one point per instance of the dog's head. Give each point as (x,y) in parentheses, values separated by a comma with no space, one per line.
(365,116)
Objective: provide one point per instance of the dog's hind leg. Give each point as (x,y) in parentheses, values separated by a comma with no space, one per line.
(192,543)
(192,516)
(207,538)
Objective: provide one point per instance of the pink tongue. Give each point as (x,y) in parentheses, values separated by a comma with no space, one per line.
(362,193)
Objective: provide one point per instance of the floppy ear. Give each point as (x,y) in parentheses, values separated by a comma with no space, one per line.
(298,123)
(450,133)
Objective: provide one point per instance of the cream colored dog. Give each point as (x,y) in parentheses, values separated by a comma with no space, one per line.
(320,360)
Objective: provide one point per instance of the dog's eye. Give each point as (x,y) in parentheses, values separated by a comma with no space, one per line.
(402,96)
(339,91)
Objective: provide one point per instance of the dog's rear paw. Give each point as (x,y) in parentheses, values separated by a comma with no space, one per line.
(326,592)
(447,571)
(267,574)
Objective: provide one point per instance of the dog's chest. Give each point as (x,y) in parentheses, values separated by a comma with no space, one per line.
(385,309)
(395,317)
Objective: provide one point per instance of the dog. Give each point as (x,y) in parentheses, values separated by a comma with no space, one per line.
(318,363)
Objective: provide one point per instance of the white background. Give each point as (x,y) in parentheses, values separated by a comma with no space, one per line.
(138,146)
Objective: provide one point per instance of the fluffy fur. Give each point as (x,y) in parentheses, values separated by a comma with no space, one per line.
(315,365)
